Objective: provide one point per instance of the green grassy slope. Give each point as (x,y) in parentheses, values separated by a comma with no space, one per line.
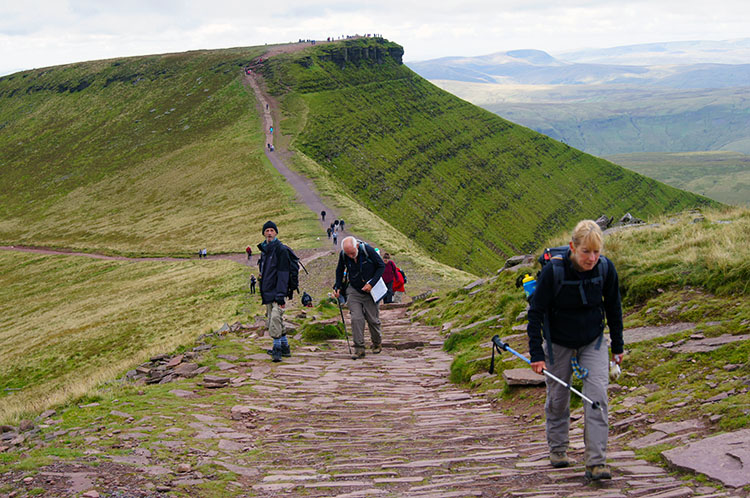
(468,186)
(724,176)
(158,154)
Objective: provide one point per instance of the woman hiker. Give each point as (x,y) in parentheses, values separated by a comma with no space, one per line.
(568,311)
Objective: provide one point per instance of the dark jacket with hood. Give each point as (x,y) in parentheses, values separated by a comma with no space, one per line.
(273,265)
(572,323)
(367,269)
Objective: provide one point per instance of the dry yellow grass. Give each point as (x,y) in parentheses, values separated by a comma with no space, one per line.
(70,323)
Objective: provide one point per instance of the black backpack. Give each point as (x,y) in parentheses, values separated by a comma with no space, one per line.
(555,255)
(294,264)
(402,274)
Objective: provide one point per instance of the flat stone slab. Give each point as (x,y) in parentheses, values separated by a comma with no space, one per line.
(639,334)
(709,343)
(522,377)
(725,457)
(675,427)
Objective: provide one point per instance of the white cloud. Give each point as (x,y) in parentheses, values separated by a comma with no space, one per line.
(38,33)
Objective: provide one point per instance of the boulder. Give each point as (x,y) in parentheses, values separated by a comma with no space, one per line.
(604,221)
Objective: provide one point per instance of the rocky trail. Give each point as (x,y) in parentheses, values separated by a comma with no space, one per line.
(321,424)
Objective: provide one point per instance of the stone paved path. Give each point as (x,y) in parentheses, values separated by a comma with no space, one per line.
(393,425)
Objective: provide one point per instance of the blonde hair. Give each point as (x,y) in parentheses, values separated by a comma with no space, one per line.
(588,233)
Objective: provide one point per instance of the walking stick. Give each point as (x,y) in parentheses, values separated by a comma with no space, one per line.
(343,323)
(500,346)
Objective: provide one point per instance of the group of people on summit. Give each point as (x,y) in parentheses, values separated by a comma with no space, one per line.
(575,298)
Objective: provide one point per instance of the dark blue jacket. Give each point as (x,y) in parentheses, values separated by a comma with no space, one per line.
(273,266)
(367,269)
(572,323)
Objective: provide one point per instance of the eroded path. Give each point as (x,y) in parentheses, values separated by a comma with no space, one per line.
(321,424)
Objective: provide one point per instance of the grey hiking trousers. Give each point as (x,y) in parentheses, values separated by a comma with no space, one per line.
(557,406)
(275,320)
(363,309)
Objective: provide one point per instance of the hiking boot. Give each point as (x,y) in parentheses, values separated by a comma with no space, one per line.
(376,348)
(276,354)
(286,351)
(597,472)
(558,459)
(358,353)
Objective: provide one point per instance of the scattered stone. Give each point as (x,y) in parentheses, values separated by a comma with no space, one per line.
(480,376)
(475,283)
(47,414)
(175,361)
(227,445)
(213,381)
(181,393)
(224,329)
(720,457)
(522,377)
(676,427)
(604,221)
(183,468)
(118,413)
(25,425)
(731,367)
(710,343)
(223,365)
(187,370)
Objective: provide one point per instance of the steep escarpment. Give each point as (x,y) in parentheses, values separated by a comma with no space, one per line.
(468,186)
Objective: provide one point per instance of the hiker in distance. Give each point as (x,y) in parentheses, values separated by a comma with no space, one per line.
(273,273)
(389,277)
(364,267)
(573,295)
(252,284)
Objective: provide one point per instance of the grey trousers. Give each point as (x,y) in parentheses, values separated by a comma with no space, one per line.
(363,309)
(275,320)
(557,406)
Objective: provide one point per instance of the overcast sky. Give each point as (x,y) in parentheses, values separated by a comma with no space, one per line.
(39,33)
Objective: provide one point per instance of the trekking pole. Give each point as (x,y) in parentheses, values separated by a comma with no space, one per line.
(343,322)
(501,346)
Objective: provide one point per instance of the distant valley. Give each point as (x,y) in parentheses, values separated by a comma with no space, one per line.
(655,98)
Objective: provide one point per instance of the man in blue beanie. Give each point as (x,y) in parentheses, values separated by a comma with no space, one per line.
(273,266)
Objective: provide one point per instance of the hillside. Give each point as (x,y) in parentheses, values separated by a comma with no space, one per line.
(469,187)
(148,155)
